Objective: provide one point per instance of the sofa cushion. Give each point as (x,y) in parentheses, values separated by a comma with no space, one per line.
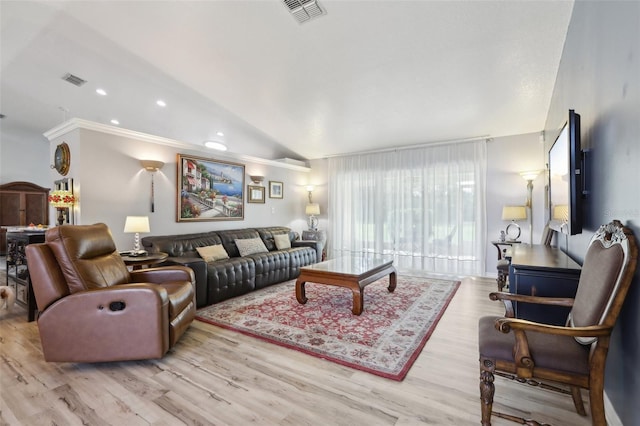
(229,237)
(250,246)
(282,241)
(212,253)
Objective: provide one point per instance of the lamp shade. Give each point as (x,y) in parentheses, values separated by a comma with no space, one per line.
(312,209)
(560,212)
(61,198)
(530,175)
(137,224)
(514,213)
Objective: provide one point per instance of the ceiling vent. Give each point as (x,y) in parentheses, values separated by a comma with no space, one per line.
(74,79)
(304,10)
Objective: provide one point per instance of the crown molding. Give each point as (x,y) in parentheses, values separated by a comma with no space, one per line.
(77,123)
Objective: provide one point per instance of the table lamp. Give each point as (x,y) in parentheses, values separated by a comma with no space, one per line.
(312,210)
(62,200)
(137,224)
(513,213)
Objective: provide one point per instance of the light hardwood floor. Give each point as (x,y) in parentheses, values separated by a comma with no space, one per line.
(217,377)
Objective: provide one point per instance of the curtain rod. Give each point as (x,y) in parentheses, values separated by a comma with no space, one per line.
(405,147)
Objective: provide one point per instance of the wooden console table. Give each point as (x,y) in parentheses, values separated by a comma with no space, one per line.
(540,270)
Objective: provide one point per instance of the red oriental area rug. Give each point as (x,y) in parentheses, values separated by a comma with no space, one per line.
(384,340)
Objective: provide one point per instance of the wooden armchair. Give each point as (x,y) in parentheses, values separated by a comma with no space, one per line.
(573,355)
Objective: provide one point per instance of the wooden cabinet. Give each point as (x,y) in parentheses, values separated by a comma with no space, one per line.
(22,203)
(540,270)
(18,270)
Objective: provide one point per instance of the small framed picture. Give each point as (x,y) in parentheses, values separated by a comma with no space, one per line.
(276,189)
(256,194)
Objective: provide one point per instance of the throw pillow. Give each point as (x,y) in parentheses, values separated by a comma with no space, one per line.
(249,246)
(282,241)
(211,253)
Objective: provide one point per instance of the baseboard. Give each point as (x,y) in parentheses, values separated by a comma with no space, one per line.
(610,413)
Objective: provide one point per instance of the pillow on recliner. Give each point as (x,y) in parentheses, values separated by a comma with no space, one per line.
(249,246)
(282,241)
(212,253)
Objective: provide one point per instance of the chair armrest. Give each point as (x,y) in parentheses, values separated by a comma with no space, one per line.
(521,353)
(508,298)
(199,267)
(86,327)
(163,274)
(505,325)
(556,301)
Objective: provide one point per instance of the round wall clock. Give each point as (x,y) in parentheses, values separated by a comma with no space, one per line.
(62,159)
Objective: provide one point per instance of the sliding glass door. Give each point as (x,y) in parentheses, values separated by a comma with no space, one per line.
(425,207)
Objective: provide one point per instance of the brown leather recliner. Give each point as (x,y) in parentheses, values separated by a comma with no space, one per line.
(92,308)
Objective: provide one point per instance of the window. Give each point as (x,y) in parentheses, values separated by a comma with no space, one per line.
(425,206)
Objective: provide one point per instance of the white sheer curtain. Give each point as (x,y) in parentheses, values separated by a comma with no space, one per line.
(423,206)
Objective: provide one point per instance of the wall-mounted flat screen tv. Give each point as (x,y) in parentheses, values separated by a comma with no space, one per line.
(565,179)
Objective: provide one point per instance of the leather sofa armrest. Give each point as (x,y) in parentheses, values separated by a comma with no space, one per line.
(123,322)
(199,268)
(163,274)
(316,245)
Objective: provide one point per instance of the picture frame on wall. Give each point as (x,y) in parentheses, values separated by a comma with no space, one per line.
(255,194)
(276,189)
(209,189)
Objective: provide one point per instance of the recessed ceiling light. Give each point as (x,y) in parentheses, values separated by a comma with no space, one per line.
(215,145)
(161,103)
(114,121)
(220,134)
(101,92)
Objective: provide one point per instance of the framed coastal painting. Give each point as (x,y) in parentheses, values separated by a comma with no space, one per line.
(209,189)
(276,189)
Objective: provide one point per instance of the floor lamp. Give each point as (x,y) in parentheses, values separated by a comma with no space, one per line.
(530,177)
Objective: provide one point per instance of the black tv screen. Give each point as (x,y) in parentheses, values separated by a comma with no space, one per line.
(565,178)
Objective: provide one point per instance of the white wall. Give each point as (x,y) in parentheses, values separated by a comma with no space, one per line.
(24,157)
(506,158)
(111,184)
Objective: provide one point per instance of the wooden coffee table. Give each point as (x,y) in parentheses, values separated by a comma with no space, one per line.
(352,272)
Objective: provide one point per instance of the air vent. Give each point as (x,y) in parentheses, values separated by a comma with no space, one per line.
(304,10)
(74,79)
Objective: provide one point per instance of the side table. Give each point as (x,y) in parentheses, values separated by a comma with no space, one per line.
(137,262)
(503,261)
(317,235)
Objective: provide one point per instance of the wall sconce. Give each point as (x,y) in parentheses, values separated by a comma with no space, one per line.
(310,189)
(152,166)
(312,210)
(62,200)
(513,213)
(530,176)
(137,224)
(257,180)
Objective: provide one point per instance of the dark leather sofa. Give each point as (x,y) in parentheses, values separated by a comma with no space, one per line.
(222,279)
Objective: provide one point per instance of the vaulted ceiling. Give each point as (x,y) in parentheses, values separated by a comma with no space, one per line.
(366,75)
